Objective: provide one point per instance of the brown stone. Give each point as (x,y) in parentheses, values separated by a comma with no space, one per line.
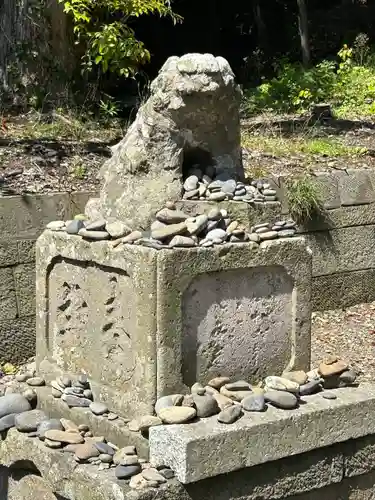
(298,376)
(86,451)
(64,437)
(334,368)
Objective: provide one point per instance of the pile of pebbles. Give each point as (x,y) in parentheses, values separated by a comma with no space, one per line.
(174,228)
(18,410)
(208,184)
(228,400)
(77,394)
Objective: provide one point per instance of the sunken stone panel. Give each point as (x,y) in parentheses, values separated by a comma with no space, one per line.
(230,318)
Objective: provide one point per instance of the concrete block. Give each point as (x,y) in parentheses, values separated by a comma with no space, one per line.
(24,276)
(340,290)
(359,456)
(8,253)
(205,449)
(17,339)
(327,184)
(356,215)
(342,250)
(355,187)
(160,320)
(26,216)
(26,251)
(8,302)
(280,479)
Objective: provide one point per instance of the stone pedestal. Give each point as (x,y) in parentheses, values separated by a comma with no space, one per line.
(142,323)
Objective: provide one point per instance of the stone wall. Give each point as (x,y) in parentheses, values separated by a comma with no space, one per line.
(22,219)
(342,239)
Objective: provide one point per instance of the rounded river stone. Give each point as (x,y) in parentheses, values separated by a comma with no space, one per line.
(281,399)
(230,414)
(177,414)
(206,405)
(167,401)
(104,448)
(13,403)
(47,425)
(7,421)
(126,471)
(98,408)
(254,402)
(29,421)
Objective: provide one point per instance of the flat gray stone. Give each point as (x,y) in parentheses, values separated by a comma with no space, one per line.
(13,403)
(96,225)
(93,235)
(76,401)
(98,408)
(167,401)
(74,226)
(254,402)
(181,241)
(169,216)
(281,399)
(47,425)
(204,449)
(230,414)
(35,381)
(169,230)
(7,422)
(127,471)
(29,421)
(206,405)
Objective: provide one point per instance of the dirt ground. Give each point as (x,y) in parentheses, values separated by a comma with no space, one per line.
(348,333)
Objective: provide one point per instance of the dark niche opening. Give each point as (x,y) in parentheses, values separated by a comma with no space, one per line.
(197,158)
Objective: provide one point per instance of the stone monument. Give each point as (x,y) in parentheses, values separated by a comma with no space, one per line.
(191,117)
(141,322)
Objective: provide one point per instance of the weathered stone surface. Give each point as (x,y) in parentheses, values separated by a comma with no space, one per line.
(192,115)
(135,290)
(355,187)
(218,450)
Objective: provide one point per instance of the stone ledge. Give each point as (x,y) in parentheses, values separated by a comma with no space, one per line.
(205,449)
(100,426)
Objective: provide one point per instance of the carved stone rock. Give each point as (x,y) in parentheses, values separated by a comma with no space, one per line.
(191,118)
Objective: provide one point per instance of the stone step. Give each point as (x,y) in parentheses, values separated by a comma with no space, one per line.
(207,448)
(113,430)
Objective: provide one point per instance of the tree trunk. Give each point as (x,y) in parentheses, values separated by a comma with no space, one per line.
(303,26)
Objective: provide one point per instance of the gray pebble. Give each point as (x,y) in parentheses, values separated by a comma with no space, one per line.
(269,235)
(36,381)
(230,414)
(229,186)
(310,387)
(104,448)
(93,235)
(126,471)
(29,420)
(254,402)
(191,183)
(97,225)
(76,401)
(74,226)
(47,425)
(7,421)
(281,399)
(218,233)
(98,408)
(219,196)
(105,458)
(13,403)
(286,233)
(206,405)
(329,395)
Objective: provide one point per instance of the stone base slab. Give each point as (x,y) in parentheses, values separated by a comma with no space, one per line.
(344,471)
(113,430)
(207,448)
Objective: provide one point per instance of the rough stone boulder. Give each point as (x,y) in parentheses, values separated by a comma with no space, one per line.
(191,118)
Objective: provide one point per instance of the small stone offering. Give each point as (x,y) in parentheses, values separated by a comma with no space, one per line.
(281,399)
(230,414)
(177,414)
